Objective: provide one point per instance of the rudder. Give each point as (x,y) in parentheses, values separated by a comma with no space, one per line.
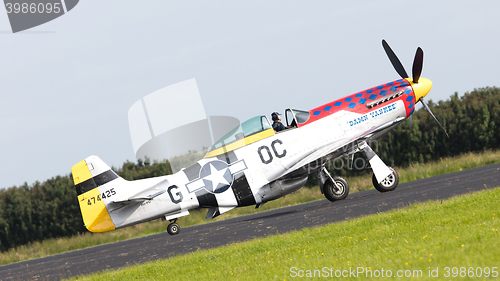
(88,175)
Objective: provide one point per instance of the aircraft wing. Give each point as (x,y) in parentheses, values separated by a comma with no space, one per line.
(308,157)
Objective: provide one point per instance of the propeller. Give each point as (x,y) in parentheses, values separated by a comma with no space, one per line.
(396,63)
(428,109)
(418,63)
(420,89)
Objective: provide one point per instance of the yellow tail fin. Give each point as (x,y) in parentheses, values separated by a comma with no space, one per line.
(88,175)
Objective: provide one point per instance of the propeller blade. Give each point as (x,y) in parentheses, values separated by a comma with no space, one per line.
(398,66)
(428,109)
(418,63)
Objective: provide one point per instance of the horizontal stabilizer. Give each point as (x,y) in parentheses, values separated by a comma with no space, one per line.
(147,194)
(139,198)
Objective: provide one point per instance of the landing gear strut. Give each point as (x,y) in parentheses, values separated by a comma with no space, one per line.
(337,190)
(389,183)
(334,188)
(384,178)
(173,228)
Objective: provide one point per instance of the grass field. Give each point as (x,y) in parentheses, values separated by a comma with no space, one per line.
(414,172)
(418,241)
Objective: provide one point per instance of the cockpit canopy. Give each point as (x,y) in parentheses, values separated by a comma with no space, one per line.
(296,117)
(248,132)
(253,130)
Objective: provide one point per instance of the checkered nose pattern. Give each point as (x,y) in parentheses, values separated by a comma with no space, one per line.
(358,102)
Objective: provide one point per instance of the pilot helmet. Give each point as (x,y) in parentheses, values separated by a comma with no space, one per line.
(275,116)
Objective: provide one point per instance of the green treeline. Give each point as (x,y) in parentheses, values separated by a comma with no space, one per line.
(50,209)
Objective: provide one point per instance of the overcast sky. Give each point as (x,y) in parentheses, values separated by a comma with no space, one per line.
(66,86)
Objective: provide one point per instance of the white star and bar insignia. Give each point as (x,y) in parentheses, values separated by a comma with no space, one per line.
(216,176)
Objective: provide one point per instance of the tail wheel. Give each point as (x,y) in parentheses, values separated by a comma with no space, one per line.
(336,191)
(173,228)
(388,184)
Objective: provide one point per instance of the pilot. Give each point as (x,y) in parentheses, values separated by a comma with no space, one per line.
(277,125)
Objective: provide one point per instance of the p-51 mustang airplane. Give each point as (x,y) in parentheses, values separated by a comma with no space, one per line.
(253,164)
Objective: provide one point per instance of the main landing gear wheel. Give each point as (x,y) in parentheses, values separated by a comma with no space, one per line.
(338,191)
(173,228)
(388,184)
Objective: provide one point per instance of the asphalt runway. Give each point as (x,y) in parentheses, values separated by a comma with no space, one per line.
(161,246)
